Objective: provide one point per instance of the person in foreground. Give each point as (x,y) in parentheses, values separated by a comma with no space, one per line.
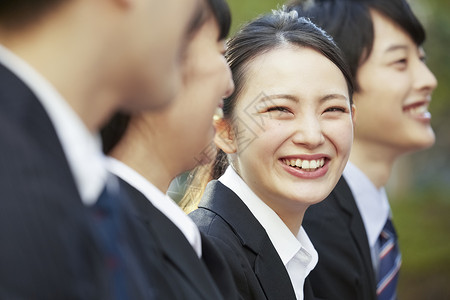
(352,229)
(65,67)
(286,137)
(148,150)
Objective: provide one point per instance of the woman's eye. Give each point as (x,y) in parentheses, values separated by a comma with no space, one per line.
(336,109)
(278,108)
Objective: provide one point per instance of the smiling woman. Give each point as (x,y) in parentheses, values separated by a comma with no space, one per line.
(306,122)
(285,139)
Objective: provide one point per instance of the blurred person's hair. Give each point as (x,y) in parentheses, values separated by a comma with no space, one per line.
(350,24)
(17,14)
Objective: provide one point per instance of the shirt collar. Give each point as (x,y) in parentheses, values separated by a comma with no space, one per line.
(160,200)
(286,244)
(372,203)
(81,147)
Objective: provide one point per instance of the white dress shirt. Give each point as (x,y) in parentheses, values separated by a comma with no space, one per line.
(81,147)
(161,201)
(297,252)
(373,206)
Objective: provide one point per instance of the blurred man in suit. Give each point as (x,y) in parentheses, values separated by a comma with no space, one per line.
(65,67)
(352,229)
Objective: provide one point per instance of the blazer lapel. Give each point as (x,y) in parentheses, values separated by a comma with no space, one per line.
(174,245)
(345,199)
(268,266)
(272,273)
(308,293)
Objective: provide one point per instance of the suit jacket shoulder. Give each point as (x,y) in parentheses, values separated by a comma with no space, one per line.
(257,268)
(190,277)
(48,250)
(336,229)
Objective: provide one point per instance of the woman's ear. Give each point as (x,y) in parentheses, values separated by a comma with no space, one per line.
(224,136)
(353,114)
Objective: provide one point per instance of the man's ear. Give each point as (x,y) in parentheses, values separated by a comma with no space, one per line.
(224,138)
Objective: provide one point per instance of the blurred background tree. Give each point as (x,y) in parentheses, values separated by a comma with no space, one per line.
(420,185)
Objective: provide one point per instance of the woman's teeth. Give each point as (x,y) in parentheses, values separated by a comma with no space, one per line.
(306,165)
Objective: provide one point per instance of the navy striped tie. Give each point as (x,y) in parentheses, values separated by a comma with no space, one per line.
(107,220)
(390,261)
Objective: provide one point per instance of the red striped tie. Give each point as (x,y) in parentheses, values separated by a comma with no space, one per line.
(390,261)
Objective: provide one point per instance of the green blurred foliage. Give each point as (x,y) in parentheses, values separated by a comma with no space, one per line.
(421,186)
(423,228)
(245,10)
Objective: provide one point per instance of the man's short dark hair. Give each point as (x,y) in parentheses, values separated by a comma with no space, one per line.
(15,14)
(350,24)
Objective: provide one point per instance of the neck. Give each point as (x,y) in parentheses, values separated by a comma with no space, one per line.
(290,213)
(293,222)
(373,160)
(140,150)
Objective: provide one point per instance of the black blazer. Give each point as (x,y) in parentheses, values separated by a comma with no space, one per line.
(337,231)
(49,248)
(257,268)
(191,278)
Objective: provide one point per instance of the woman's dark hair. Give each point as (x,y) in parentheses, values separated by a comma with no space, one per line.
(268,32)
(114,130)
(350,24)
(222,14)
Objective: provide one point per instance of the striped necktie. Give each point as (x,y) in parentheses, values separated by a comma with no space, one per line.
(390,261)
(107,220)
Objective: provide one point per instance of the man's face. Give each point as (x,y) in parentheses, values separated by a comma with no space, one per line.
(156,41)
(395,91)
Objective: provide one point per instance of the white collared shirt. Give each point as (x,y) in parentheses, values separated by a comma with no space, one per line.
(161,201)
(297,252)
(373,206)
(81,147)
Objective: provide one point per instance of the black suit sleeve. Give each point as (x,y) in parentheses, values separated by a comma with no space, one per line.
(222,236)
(47,249)
(341,272)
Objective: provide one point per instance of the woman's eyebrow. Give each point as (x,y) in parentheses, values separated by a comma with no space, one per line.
(295,99)
(281,96)
(333,97)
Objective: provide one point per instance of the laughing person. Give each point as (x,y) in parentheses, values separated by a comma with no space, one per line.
(286,135)
(392,95)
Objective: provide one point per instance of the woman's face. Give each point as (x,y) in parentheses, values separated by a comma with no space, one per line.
(186,127)
(292,128)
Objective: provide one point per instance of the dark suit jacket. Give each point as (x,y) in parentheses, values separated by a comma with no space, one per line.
(49,248)
(257,268)
(191,278)
(337,231)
